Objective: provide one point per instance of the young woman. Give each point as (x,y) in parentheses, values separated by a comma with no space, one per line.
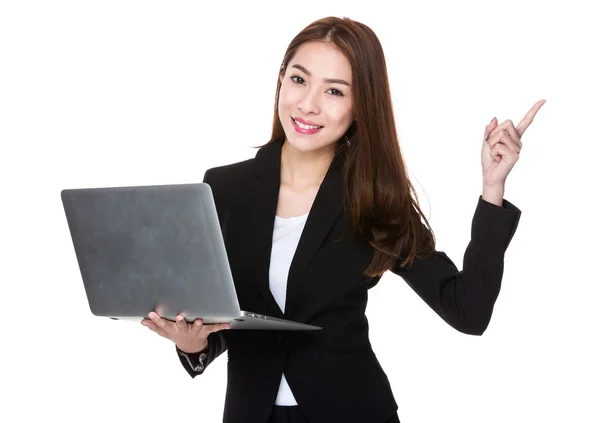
(313,221)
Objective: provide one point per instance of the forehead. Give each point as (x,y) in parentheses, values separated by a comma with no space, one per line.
(322,60)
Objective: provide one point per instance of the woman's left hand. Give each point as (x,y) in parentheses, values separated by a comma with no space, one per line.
(501,147)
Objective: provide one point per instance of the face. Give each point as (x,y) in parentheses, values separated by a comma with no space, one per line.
(316,91)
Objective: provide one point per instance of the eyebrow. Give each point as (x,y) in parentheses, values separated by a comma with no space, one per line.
(328,80)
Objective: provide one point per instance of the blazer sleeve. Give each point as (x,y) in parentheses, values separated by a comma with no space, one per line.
(465,299)
(196,363)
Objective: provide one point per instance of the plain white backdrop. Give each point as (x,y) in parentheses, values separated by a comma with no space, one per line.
(148,92)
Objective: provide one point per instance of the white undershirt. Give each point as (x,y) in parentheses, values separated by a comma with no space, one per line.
(286,235)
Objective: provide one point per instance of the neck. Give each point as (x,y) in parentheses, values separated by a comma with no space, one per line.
(303,170)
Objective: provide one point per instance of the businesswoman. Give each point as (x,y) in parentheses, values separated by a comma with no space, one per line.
(313,221)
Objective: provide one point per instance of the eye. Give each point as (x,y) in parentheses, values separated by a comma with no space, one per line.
(300,80)
(339,93)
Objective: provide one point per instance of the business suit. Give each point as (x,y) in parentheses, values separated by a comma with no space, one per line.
(333,373)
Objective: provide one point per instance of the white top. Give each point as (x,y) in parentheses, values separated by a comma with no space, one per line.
(286,235)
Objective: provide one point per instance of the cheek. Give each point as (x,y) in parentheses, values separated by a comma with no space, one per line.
(287,96)
(340,114)
(284,101)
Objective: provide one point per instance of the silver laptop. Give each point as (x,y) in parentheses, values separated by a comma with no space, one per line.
(157,248)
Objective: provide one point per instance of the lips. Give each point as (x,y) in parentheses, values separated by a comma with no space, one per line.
(305,131)
(306,122)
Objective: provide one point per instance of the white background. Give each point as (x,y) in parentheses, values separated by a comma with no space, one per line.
(146,92)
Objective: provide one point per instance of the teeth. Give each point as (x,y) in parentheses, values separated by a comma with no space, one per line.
(303,126)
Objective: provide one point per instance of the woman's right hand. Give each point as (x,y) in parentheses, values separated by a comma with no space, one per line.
(189,337)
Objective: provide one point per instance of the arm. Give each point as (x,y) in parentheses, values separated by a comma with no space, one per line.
(196,363)
(465,299)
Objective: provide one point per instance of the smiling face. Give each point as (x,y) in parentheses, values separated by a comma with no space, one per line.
(315,101)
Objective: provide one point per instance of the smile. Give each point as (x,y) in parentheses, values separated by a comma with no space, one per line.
(305,129)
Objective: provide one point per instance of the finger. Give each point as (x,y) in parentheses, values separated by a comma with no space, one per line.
(504,137)
(507,131)
(514,135)
(180,322)
(156,319)
(154,327)
(197,326)
(501,152)
(526,121)
(217,327)
(489,128)
(498,130)
(506,128)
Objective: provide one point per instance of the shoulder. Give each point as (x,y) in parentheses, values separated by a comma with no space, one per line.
(228,182)
(234,180)
(228,175)
(266,161)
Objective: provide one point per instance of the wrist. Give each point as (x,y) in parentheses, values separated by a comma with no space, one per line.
(493,195)
(193,349)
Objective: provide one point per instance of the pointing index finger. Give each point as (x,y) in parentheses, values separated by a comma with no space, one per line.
(526,121)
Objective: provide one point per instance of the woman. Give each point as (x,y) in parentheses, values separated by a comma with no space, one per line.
(314,220)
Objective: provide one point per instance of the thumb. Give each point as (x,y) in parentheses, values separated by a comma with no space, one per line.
(218,326)
(489,128)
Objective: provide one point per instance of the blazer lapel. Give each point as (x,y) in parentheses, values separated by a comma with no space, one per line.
(263,192)
(322,216)
(324,212)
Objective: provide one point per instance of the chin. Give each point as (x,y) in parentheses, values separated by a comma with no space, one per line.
(307,146)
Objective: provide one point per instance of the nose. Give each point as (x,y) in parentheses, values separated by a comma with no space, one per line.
(309,102)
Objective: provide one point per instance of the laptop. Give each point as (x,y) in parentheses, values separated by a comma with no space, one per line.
(157,248)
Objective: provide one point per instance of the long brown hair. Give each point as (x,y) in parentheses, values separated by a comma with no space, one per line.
(379,196)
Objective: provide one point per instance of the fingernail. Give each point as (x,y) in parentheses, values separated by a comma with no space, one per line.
(492,119)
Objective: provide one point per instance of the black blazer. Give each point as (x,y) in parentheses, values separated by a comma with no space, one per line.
(333,372)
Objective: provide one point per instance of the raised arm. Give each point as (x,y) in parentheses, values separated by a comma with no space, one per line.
(465,299)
